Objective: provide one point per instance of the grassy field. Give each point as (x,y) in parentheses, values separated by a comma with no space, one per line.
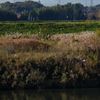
(60,60)
(47,27)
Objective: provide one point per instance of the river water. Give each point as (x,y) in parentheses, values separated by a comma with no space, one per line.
(69,94)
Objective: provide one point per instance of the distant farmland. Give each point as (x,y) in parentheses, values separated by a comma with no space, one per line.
(47,27)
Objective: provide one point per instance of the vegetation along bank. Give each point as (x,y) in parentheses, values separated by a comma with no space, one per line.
(61,61)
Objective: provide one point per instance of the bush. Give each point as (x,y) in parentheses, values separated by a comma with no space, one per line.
(98,32)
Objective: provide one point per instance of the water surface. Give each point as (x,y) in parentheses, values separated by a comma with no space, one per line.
(70,94)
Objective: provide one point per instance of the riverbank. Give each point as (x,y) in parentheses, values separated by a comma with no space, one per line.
(61,61)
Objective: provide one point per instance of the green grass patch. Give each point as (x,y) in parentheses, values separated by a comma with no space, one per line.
(47,28)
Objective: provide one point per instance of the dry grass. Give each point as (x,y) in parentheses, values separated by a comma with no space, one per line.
(84,46)
(70,44)
(81,41)
(13,45)
(62,59)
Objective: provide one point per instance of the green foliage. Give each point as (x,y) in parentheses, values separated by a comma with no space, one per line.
(30,10)
(47,28)
(98,32)
(5,15)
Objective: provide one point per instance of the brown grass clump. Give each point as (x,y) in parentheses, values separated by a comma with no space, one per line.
(12,45)
(62,61)
(98,32)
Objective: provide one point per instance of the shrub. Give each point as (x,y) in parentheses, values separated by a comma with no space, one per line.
(98,32)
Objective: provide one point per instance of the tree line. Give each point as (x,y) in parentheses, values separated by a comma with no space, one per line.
(31,11)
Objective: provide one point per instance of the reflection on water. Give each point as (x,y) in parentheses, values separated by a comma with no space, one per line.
(76,94)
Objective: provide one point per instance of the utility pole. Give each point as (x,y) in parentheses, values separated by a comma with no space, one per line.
(74,10)
(29,17)
(39,1)
(59,2)
(90,13)
(14,1)
(91,8)
(27,0)
(91,3)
